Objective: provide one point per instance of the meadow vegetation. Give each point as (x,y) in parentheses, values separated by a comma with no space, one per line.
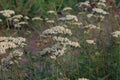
(59,40)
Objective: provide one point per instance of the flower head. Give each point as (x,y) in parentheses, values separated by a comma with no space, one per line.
(116,34)
(100,11)
(67,8)
(90,41)
(7,13)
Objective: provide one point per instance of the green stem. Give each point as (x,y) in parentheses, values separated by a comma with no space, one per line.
(62,67)
(60,5)
(8,26)
(2,75)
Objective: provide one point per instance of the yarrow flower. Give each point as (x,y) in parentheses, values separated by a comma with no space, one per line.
(67,8)
(26,17)
(18,24)
(83,79)
(71,17)
(57,30)
(55,50)
(101,4)
(91,26)
(59,35)
(13,48)
(90,41)
(89,15)
(62,19)
(17,16)
(12,58)
(60,39)
(103,1)
(61,43)
(16,20)
(100,11)
(116,34)
(7,13)
(51,12)
(86,3)
(74,44)
(77,23)
(36,18)
(0,20)
(50,21)
(10,42)
(66,41)
(22,22)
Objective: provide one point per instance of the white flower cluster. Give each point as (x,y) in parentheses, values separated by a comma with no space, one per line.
(91,42)
(58,35)
(12,47)
(96,16)
(60,39)
(58,49)
(26,17)
(22,22)
(51,12)
(17,16)
(66,41)
(101,4)
(12,58)
(83,79)
(61,43)
(116,34)
(7,13)
(57,30)
(103,1)
(67,8)
(50,21)
(89,15)
(36,18)
(10,43)
(71,17)
(18,20)
(91,26)
(12,19)
(68,17)
(100,11)
(54,51)
(0,20)
(86,3)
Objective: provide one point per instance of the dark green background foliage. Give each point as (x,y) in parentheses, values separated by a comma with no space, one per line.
(36,7)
